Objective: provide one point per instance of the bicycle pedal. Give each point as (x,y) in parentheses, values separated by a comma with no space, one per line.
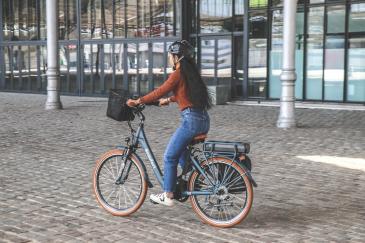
(153,201)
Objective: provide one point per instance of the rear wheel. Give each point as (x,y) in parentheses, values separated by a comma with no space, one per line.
(119,198)
(233,196)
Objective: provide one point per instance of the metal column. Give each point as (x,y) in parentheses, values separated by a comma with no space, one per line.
(53,81)
(288,74)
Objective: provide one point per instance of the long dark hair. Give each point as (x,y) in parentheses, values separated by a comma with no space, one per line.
(197,90)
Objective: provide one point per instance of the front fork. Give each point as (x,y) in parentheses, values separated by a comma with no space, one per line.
(123,174)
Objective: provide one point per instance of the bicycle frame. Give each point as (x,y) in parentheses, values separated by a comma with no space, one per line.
(139,138)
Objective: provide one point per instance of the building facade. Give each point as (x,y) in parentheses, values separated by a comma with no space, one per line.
(122,44)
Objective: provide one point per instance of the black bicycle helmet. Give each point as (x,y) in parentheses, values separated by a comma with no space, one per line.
(181,48)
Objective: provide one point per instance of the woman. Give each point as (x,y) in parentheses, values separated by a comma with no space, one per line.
(191,95)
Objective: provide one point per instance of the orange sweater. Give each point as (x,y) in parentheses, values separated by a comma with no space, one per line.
(174,83)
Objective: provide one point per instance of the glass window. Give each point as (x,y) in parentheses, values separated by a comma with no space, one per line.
(43,67)
(357,18)
(158,18)
(334,68)
(67,20)
(18,65)
(131,18)
(316,1)
(168,66)
(258,3)
(19,20)
(7,20)
(170,16)
(119,65)
(276,54)
(178,17)
(215,16)
(143,68)
(96,19)
(42,20)
(258,25)
(99,74)
(356,70)
(96,60)
(68,67)
(277,3)
(108,66)
(91,65)
(33,68)
(224,62)
(315,21)
(8,56)
(299,54)
(315,53)
(64,58)
(336,19)
(143,18)
(238,67)
(158,60)
(106,18)
(194,16)
(132,68)
(239,10)
(257,55)
(119,25)
(257,68)
(23,68)
(207,61)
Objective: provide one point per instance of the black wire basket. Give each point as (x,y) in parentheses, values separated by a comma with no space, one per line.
(117,107)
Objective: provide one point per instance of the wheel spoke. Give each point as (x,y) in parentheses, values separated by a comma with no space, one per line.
(116,165)
(109,172)
(106,178)
(238,198)
(224,180)
(233,182)
(111,169)
(110,195)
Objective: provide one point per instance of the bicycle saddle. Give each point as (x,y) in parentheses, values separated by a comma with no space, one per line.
(200,138)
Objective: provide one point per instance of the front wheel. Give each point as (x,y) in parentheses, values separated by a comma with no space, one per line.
(233,196)
(120,198)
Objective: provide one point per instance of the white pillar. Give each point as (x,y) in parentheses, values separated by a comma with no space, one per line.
(288,75)
(53,82)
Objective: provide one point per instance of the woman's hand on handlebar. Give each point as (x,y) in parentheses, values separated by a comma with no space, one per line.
(164,101)
(133,103)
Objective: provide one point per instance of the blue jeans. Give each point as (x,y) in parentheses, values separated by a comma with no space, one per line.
(194,122)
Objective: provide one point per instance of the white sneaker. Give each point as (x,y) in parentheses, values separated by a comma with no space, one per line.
(162,199)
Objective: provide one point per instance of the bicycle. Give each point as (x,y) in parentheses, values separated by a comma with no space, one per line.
(219,184)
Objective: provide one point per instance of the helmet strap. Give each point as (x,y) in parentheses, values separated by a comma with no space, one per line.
(174,67)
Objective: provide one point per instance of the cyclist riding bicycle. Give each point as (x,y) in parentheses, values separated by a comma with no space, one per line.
(191,95)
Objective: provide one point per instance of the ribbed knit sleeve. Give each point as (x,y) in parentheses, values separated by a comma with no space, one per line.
(164,89)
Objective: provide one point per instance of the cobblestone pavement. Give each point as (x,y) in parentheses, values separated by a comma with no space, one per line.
(47,159)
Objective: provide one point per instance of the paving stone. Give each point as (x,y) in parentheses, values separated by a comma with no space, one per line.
(47,160)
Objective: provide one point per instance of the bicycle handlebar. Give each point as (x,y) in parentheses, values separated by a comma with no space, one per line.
(139,108)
